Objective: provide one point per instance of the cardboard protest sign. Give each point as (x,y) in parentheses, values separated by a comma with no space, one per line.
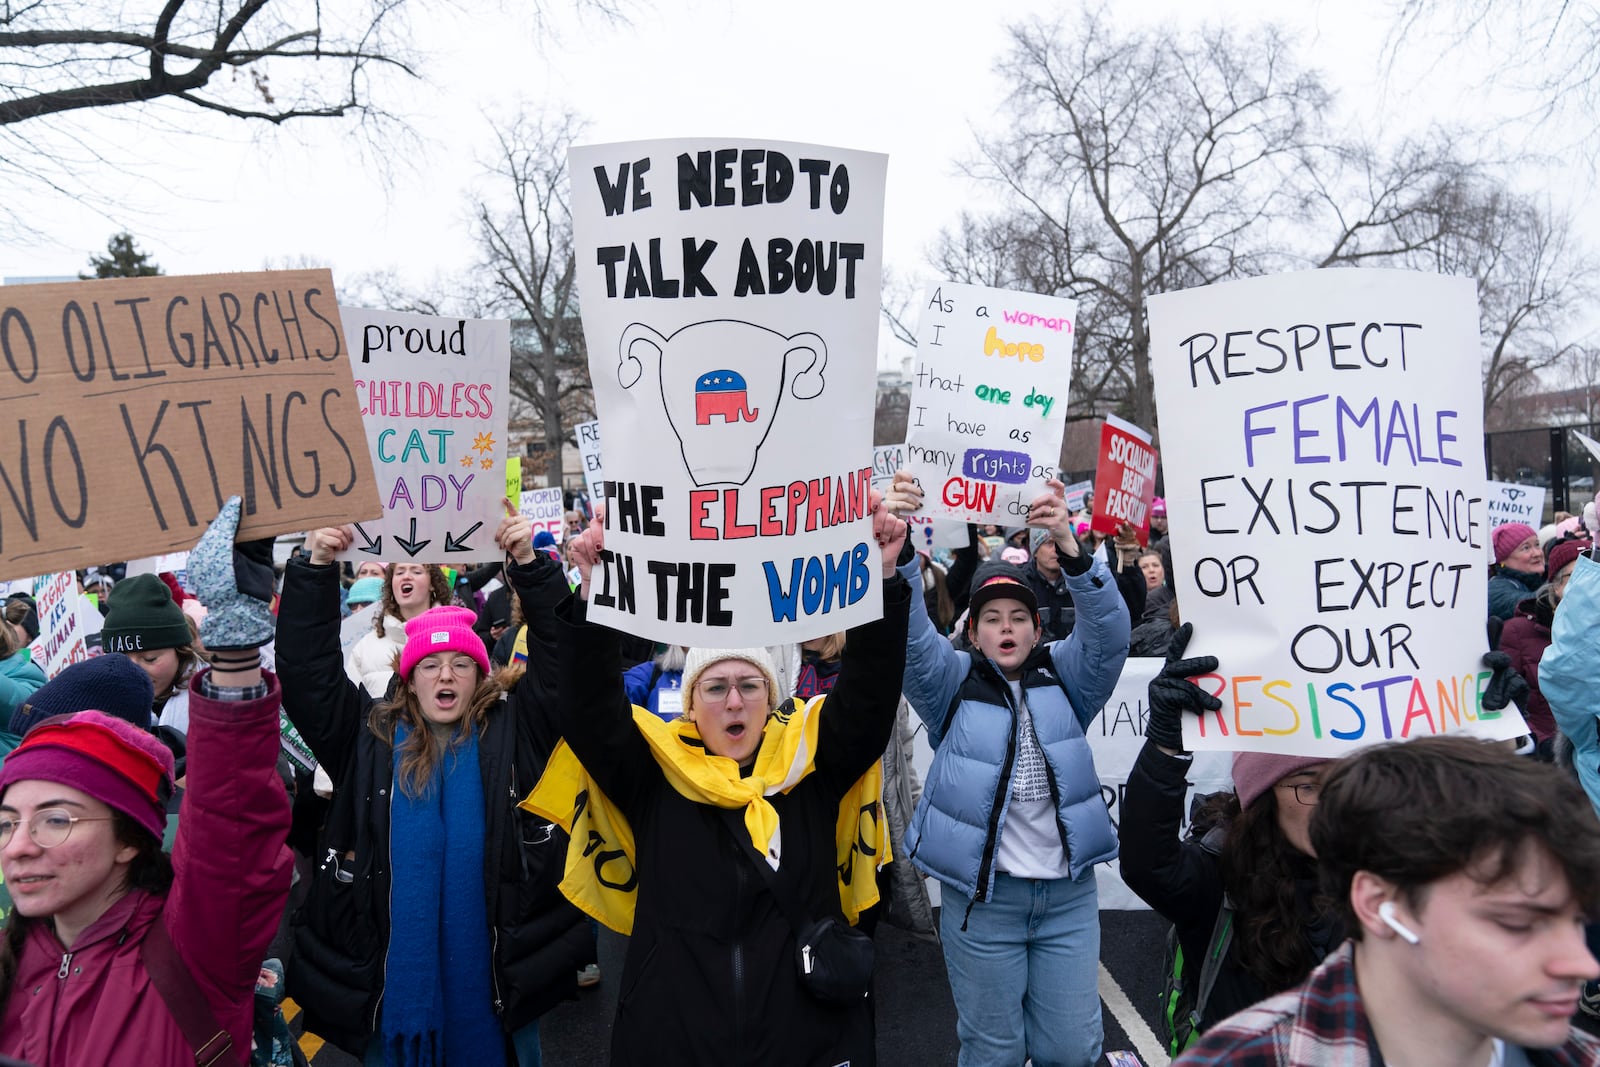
(730,303)
(589,451)
(1508,502)
(61,632)
(132,408)
(544,511)
(1325,485)
(1125,479)
(989,400)
(435,400)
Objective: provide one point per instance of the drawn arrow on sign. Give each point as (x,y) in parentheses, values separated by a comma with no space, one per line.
(452,544)
(413,546)
(372,546)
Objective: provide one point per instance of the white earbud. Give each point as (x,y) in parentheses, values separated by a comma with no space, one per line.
(1386,913)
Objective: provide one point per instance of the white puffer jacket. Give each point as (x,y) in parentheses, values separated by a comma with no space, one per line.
(370,661)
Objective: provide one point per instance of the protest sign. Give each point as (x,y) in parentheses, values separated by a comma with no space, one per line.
(1077,495)
(356,625)
(989,400)
(514,478)
(589,452)
(1125,479)
(132,408)
(435,399)
(544,511)
(730,303)
(1508,502)
(1325,483)
(61,632)
(886,459)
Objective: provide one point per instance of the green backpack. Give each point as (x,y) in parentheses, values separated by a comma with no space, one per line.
(1183,993)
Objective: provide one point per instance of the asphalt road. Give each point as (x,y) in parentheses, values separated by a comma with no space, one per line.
(916,1018)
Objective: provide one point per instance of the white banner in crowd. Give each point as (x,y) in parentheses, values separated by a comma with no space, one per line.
(730,307)
(1509,502)
(543,509)
(61,626)
(1328,538)
(589,451)
(989,400)
(435,400)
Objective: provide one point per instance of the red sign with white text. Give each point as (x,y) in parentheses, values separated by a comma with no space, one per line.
(1124,480)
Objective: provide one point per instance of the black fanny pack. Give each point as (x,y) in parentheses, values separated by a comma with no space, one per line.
(833,958)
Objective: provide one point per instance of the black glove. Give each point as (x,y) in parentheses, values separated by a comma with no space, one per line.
(235,583)
(1172,693)
(1506,686)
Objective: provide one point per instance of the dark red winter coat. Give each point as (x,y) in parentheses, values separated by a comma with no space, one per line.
(1524,638)
(95,1005)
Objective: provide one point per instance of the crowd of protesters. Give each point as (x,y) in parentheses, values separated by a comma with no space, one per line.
(430,892)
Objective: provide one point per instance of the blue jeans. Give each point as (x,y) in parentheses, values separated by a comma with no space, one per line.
(524,1042)
(1025,972)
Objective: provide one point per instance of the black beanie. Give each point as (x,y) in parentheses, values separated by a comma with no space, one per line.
(30,621)
(142,616)
(113,684)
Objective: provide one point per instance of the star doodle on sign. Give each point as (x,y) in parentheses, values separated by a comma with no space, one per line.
(466,461)
(483,442)
(488,463)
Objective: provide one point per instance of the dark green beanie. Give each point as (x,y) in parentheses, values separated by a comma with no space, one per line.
(142,616)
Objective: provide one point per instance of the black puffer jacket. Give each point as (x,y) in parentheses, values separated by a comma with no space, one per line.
(342,932)
(710,975)
(1180,879)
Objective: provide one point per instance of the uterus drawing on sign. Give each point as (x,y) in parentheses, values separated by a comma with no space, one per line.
(721,383)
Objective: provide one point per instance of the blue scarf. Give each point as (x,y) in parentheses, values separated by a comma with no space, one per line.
(438,998)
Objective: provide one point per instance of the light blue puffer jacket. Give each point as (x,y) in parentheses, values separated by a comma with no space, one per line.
(1570,671)
(961,816)
(20,677)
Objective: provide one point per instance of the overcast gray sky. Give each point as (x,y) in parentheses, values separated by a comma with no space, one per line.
(906,77)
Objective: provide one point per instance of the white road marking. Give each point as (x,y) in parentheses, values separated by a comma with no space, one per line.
(1145,1042)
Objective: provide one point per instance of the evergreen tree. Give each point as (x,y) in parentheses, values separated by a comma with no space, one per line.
(124,261)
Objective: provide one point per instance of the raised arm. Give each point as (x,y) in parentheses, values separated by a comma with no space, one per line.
(326,707)
(933,669)
(231,869)
(591,707)
(858,715)
(1089,660)
(539,584)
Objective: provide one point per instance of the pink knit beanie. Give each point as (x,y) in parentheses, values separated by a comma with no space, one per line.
(1508,537)
(445,629)
(1256,772)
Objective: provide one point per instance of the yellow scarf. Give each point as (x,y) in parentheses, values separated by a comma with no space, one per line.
(599,876)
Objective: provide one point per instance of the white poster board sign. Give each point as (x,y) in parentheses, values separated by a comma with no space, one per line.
(543,509)
(1324,466)
(988,400)
(589,451)
(435,399)
(730,303)
(1509,502)
(355,626)
(61,625)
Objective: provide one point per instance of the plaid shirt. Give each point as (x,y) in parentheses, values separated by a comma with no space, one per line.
(1320,1023)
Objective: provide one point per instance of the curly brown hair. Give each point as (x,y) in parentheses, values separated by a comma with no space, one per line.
(438,594)
(1263,875)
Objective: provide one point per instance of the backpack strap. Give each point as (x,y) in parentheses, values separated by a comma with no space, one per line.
(1211,966)
(788,902)
(172,979)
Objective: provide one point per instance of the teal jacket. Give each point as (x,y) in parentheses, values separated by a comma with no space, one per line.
(19,678)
